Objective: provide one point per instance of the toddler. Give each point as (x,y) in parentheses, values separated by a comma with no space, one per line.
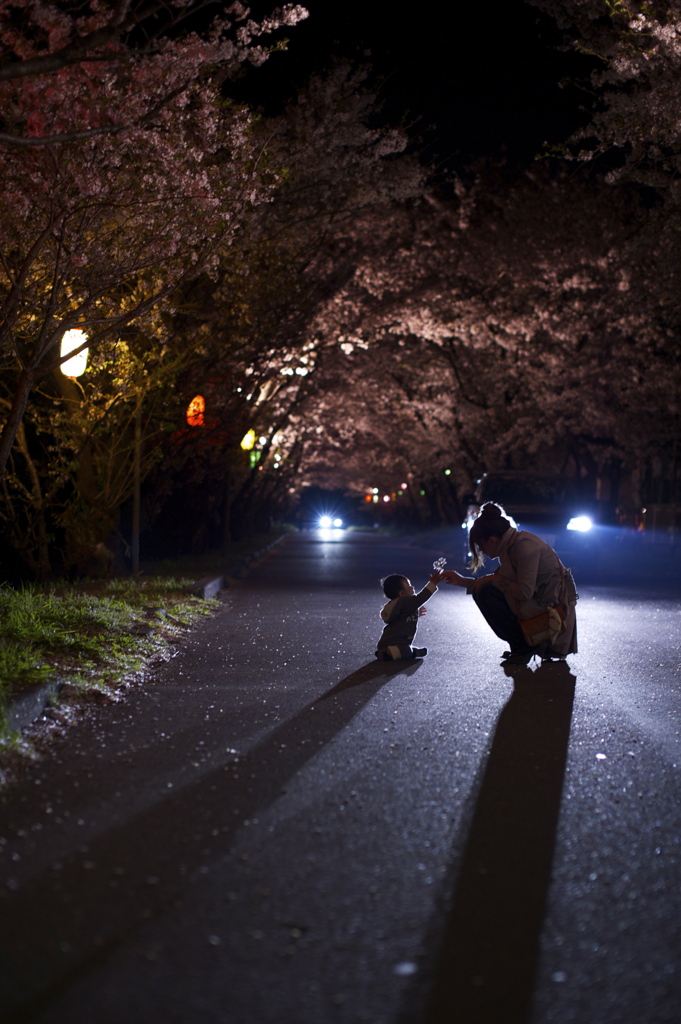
(401,615)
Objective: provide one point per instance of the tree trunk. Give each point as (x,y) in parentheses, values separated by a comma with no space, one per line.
(227,511)
(9,432)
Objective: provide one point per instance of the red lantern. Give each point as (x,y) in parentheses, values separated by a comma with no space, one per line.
(195,411)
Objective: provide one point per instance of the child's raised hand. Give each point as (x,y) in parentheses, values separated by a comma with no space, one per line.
(436,576)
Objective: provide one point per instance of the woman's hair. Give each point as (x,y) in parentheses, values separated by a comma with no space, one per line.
(392,585)
(489,522)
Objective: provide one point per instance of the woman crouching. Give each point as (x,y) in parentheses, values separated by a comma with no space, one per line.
(529,601)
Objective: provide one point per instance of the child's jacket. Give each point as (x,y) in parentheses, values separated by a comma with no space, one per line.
(401,616)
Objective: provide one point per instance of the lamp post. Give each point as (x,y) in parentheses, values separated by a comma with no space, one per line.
(136,504)
(75,367)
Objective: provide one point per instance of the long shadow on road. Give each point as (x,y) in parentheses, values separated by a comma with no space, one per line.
(485,955)
(67,919)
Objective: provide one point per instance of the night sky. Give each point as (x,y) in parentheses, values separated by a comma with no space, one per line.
(469,81)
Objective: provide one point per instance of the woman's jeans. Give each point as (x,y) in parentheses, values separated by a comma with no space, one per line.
(494,607)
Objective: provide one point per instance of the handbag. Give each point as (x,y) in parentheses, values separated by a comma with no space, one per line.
(544,627)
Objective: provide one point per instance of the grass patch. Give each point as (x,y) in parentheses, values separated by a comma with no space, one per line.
(89,634)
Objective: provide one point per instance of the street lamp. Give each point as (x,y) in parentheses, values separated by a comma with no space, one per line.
(71,340)
(196,411)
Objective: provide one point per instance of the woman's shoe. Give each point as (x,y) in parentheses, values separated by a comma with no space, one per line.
(519,659)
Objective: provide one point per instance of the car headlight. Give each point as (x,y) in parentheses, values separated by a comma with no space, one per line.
(581,523)
(325,522)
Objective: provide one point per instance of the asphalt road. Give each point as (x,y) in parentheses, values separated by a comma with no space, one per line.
(280,830)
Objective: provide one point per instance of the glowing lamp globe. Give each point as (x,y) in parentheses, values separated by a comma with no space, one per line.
(74,366)
(195,411)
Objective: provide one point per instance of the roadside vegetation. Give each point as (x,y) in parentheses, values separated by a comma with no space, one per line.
(93,634)
(94,639)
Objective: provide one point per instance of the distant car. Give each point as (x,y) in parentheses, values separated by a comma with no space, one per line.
(553,507)
(330,523)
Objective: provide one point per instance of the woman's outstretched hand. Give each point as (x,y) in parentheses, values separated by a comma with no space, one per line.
(450,576)
(471,582)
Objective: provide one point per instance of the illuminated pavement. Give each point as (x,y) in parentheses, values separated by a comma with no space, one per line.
(281,831)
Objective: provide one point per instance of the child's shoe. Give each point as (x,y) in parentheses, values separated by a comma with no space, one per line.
(420,652)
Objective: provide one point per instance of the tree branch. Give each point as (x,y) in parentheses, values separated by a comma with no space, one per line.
(74,52)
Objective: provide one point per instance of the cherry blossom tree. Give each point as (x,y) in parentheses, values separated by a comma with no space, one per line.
(301,274)
(123,170)
(633,135)
(257,321)
(75,71)
(513,328)
(530,322)
(636,87)
(73,463)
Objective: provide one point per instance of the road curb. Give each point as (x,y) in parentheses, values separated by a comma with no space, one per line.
(208,586)
(24,710)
